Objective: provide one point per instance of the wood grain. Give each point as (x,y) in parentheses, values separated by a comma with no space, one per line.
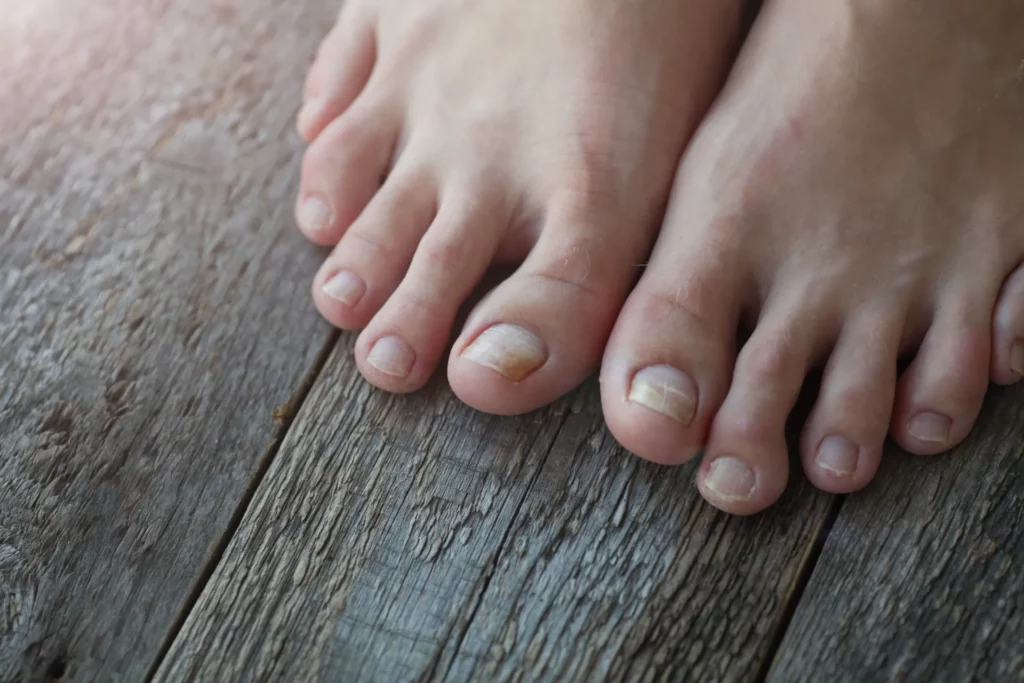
(154,308)
(922,576)
(410,538)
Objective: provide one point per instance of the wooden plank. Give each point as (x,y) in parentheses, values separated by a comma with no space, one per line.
(410,538)
(154,308)
(922,576)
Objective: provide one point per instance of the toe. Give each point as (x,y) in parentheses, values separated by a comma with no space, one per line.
(940,394)
(342,170)
(746,462)
(844,435)
(342,67)
(669,360)
(371,259)
(401,347)
(541,332)
(1008,332)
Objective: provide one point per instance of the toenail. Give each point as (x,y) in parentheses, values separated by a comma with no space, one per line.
(508,349)
(730,479)
(665,390)
(1017,358)
(838,455)
(308,113)
(346,287)
(931,427)
(392,356)
(315,215)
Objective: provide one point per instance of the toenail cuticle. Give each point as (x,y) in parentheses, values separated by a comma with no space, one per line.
(930,427)
(346,287)
(392,356)
(315,215)
(665,390)
(1017,358)
(729,479)
(838,455)
(508,349)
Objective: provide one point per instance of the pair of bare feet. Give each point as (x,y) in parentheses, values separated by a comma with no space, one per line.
(852,191)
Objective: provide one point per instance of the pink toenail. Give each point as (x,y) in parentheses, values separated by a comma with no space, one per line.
(1017,358)
(508,349)
(665,390)
(838,455)
(930,427)
(345,287)
(315,215)
(309,112)
(729,479)
(392,356)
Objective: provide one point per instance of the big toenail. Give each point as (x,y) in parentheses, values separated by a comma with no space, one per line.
(508,349)
(730,479)
(346,287)
(838,455)
(308,113)
(665,390)
(314,215)
(930,427)
(1017,358)
(392,356)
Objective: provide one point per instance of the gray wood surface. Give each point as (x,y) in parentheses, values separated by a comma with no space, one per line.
(409,538)
(922,576)
(154,308)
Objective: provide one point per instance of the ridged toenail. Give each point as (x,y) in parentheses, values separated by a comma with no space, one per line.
(838,455)
(308,113)
(665,390)
(508,349)
(930,427)
(392,356)
(314,215)
(346,287)
(729,479)
(1017,358)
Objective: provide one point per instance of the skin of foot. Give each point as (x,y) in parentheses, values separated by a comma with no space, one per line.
(450,135)
(855,195)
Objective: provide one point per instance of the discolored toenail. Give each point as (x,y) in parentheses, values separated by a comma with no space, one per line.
(392,356)
(1017,358)
(838,455)
(508,349)
(665,390)
(315,215)
(729,479)
(930,427)
(346,287)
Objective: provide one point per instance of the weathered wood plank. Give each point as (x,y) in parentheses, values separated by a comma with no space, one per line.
(154,307)
(922,576)
(408,538)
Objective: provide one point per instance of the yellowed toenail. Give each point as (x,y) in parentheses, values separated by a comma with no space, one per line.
(508,349)
(1017,358)
(314,215)
(310,110)
(392,356)
(665,390)
(930,427)
(345,287)
(838,455)
(729,479)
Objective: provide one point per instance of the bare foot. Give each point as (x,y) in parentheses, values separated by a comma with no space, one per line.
(547,133)
(856,193)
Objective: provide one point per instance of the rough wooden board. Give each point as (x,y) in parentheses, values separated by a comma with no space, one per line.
(154,307)
(407,538)
(922,576)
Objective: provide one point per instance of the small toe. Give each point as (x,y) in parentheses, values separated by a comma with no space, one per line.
(1008,331)
(842,442)
(940,394)
(342,171)
(342,67)
(403,343)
